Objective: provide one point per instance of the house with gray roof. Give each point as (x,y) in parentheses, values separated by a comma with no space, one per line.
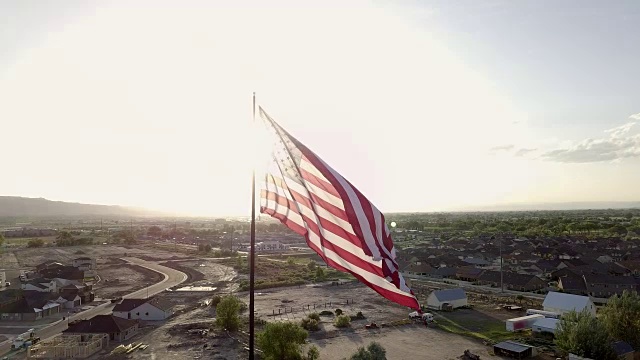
(449,297)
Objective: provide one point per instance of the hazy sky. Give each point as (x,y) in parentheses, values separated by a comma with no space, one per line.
(423,105)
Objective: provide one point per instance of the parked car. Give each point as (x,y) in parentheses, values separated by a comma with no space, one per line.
(8,283)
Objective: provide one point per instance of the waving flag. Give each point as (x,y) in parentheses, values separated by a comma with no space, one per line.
(338,222)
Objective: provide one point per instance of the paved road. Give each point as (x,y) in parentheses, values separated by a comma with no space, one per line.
(171,278)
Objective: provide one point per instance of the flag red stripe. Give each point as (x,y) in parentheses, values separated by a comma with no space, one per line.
(339,213)
(326,224)
(348,207)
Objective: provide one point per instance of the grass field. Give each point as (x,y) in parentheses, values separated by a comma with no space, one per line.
(473,323)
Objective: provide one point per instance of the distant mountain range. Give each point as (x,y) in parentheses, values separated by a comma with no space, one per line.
(586,205)
(15,206)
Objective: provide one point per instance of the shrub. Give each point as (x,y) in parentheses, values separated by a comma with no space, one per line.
(326,313)
(342,321)
(357,316)
(339,312)
(313,353)
(310,324)
(314,316)
(281,341)
(227,313)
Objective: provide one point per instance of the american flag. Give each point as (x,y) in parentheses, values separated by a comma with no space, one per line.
(338,222)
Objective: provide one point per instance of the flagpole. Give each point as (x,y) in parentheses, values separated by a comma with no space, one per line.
(252,251)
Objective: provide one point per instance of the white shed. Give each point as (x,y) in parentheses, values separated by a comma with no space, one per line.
(562,303)
(454,297)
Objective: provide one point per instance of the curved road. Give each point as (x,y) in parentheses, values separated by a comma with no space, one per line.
(171,278)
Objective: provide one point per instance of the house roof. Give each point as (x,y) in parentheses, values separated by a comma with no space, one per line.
(622,348)
(512,346)
(476,261)
(130,304)
(469,272)
(572,282)
(449,294)
(101,324)
(508,277)
(445,271)
(566,302)
(421,268)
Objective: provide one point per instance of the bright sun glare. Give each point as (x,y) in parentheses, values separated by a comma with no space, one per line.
(156,112)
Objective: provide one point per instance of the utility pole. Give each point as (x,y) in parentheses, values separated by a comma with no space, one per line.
(501,278)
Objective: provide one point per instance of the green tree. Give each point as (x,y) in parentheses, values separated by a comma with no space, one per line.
(320,274)
(291,261)
(64,235)
(1,239)
(621,316)
(227,313)
(374,351)
(584,335)
(281,341)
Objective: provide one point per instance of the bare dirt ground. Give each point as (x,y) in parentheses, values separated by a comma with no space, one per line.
(206,272)
(32,257)
(180,338)
(120,279)
(405,342)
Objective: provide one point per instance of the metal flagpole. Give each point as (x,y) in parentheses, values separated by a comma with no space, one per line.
(252,252)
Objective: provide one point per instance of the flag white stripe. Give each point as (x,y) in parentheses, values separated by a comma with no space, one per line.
(370,277)
(363,222)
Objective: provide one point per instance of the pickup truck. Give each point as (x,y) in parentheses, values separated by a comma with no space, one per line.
(428,317)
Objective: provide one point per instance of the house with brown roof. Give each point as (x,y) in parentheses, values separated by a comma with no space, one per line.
(153,308)
(469,273)
(418,269)
(512,280)
(605,286)
(116,328)
(29,306)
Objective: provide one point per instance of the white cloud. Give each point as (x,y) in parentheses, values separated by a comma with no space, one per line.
(635,116)
(619,144)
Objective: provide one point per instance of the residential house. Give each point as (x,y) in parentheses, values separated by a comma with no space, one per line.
(69,273)
(572,284)
(512,281)
(469,273)
(153,308)
(605,286)
(476,262)
(116,328)
(605,258)
(49,264)
(632,265)
(83,291)
(444,272)
(453,298)
(84,263)
(40,285)
(418,269)
(562,303)
(69,301)
(29,306)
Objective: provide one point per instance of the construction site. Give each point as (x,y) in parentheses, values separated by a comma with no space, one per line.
(68,347)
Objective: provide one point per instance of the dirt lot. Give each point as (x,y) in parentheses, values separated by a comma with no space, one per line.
(179,339)
(32,257)
(204,271)
(406,342)
(120,279)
